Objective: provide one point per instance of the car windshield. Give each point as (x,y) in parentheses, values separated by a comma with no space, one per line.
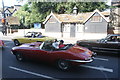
(110,38)
(41,46)
(29,34)
(47,45)
(114,38)
(34,35)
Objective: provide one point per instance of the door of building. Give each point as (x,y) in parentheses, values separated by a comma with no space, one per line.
(72,30)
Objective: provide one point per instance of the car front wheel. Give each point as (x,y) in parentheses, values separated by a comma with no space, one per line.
(19,57)
(63,64)
(16,42)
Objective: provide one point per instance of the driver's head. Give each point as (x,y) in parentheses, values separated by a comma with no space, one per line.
(114,37)
(51,41)
(40,33)
(61,41)
(55,40)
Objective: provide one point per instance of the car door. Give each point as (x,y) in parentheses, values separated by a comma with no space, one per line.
(92,45)
(36,39)
(24,40)
(112,46)
(36,54)
(43,55)
(27,38)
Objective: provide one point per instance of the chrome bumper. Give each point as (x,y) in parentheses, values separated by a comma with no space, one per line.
(81,61)
(11,52)
(94,54)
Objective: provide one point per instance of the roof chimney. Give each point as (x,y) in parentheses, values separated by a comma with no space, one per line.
(75,10)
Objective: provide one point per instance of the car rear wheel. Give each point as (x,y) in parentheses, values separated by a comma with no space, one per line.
(19,57)
(16,42)
(63,64)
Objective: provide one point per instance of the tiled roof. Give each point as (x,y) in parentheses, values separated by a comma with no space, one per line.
(115,3)
(11,10)
(81,17)
(105,13)
(77,18)
(12,20)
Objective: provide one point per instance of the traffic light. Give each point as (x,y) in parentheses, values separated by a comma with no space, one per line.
(3,21)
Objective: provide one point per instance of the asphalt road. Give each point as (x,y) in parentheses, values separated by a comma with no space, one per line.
(104,67)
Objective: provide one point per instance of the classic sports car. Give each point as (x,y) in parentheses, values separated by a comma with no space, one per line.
(1,43)
(110,44)
(63,58)
(30,37)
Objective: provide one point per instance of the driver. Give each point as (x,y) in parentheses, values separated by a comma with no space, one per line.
(114,38)
(39,35)
(55,44)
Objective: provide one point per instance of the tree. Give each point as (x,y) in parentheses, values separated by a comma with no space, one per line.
(37,12)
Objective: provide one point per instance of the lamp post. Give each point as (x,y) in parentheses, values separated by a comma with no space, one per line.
(23,21)
(3,9)
(4,28)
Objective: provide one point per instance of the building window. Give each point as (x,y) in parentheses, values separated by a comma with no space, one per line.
(96,19)
(66,27)
(79,27)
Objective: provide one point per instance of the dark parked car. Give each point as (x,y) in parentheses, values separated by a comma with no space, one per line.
(110,44)
(63,58)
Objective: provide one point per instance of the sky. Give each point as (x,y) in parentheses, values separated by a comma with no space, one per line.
(14,2)
(10,2)
(109,2)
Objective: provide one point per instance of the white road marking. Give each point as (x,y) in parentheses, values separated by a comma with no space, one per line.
(29,72)
(98,68)
(101,59)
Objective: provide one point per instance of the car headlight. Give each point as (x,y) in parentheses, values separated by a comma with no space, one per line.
(11,52)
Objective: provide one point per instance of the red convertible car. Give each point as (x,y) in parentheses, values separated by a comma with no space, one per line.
(70,55)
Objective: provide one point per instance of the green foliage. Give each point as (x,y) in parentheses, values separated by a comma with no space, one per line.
(37,12)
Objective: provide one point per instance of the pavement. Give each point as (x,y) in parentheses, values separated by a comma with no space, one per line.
(66,40)
(8,37)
